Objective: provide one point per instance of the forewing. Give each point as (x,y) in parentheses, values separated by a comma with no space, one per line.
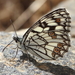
(48,38)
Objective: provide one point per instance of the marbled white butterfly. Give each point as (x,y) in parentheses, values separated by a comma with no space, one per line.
(48,38)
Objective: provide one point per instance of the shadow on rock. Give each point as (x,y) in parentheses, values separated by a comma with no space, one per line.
(49,67)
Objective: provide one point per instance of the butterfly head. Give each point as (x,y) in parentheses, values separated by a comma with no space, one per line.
(17,39)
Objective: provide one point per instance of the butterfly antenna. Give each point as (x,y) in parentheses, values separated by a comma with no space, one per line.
(7,45)
(14,28)
(12,40)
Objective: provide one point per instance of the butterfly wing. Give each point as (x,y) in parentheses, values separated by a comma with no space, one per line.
(48,38)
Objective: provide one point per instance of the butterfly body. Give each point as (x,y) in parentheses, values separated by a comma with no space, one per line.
(48,38)
(19,44)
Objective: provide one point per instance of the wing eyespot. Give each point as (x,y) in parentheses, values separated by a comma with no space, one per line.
(56,52)
(57,20)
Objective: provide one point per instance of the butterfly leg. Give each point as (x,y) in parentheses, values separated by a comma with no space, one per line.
(13,59)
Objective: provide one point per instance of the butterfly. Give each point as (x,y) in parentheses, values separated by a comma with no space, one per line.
(48,38)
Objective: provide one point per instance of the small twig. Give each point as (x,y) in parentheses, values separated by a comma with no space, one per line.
(26,14)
